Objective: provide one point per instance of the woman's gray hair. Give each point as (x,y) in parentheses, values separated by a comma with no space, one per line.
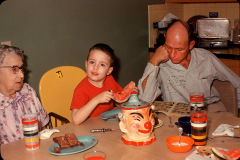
(5,50)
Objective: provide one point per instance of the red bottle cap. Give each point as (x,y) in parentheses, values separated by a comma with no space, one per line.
(197,98)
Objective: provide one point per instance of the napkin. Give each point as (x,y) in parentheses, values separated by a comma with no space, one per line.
(215,120)
(225,129)
(46,133)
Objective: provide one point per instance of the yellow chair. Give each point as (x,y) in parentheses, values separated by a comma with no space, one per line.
(56,89)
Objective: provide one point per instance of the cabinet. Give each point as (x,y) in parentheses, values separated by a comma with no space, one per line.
(234,65)
(196,1)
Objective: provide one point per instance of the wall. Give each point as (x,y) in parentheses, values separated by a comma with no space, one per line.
(156,13)
(185,11)
(60,32)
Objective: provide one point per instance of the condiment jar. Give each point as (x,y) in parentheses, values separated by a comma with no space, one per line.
(198,119)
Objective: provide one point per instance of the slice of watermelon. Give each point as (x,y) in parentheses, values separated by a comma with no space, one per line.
(123,96)
(233,153)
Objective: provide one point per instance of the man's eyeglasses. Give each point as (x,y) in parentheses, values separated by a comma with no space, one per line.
(15,69)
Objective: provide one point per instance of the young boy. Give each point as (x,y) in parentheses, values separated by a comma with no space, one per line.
(92,96)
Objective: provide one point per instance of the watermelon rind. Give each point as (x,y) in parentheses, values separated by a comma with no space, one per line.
(217,153)
(132,82)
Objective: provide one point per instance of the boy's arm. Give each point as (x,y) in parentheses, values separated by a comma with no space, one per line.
(80,115)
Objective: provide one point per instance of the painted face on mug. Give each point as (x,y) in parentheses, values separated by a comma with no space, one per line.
(137,124)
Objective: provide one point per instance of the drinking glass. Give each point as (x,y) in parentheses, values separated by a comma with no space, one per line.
(30,131)
(95,155)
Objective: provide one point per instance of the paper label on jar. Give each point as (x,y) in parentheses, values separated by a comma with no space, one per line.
(198,125)
(30,128)
(196,104)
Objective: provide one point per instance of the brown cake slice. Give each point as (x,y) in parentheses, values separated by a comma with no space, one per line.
(204,150)
(62,141)
(57,150)
(72,140)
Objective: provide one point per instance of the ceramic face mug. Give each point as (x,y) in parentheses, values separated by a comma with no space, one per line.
(137,124)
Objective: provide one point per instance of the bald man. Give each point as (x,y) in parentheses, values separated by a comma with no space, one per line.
(177,69)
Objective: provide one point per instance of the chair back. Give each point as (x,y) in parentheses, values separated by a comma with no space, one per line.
(56,89)
(228,95)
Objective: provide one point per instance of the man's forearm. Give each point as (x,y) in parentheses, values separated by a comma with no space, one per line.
(144,83)
(154,62)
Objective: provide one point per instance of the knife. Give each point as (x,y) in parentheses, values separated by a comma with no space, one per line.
(102,130)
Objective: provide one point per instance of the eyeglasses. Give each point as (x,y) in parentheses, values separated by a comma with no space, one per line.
(15,69)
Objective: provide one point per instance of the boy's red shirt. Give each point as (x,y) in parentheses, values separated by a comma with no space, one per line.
(85,91)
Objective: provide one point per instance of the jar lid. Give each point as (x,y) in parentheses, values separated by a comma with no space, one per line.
(197,98)
(134,103)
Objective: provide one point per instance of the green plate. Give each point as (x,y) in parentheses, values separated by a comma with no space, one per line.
(112,113)
(88,141)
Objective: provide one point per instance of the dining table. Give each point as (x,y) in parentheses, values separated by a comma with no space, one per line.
(111,143)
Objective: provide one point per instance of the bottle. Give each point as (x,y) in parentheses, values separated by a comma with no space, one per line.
(198,119)
(196,101)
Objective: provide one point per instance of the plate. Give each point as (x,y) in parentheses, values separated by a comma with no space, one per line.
(112,113)
(195,156)
(88,141)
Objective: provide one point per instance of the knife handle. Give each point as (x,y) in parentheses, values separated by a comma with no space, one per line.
(99,130)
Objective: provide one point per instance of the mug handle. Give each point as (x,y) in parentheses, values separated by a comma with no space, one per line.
(178,124)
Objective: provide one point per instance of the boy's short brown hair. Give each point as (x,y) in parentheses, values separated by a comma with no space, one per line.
(106,49)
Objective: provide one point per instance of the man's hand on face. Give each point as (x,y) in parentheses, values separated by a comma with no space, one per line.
(160,56)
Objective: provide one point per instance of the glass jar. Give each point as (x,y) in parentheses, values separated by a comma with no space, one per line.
(198,119)
(196,101)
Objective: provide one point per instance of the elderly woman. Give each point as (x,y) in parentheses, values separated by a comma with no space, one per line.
(16,97)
